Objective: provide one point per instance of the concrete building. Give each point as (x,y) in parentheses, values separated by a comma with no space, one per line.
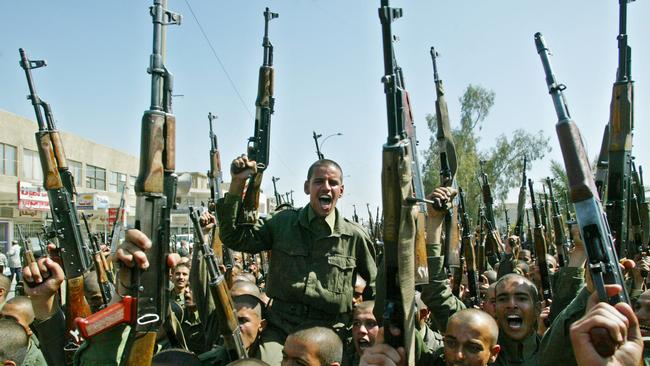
(100,173)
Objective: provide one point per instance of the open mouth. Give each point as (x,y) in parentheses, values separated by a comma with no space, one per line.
(325,201)
(515,321)
(364,343)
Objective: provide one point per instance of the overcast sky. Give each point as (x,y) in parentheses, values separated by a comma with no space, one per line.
(328,61)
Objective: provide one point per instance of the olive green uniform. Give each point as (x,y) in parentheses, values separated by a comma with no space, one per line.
(313,267)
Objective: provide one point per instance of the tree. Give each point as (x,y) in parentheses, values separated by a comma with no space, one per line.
(503,162)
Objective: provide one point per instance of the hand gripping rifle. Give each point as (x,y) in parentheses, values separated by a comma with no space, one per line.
(448,167)
(540,247)
(602,259)
(621,124)
(155,190)
(399,196)
(224,306)
(59,183)
(259,144)
(214,181)
(559,238)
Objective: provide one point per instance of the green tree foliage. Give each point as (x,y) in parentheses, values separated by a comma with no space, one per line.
(503,161)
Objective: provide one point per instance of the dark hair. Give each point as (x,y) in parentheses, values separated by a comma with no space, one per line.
(14,341)
(330,346)
(323,162)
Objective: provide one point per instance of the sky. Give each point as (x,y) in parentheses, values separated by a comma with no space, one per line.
(328,64)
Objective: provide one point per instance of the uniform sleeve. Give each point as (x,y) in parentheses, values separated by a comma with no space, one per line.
(437,293)
(566,285)
(366,265)
(250,239)
(49,333)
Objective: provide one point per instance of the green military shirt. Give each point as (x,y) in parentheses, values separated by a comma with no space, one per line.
(34,357)
(518,353)
(314,262)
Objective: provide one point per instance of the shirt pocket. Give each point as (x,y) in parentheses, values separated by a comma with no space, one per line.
(340,271)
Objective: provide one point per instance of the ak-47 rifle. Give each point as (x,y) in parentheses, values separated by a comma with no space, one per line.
(155,190)
(493,239)
(468,253)
(521,205)
(278,197)
(28,254)
(371,223)
(59,183)
(448,167)
(570,220)
(544,207)
(621,124)
(480,245)
(602,166)
(560,238)
(638,213)
(118,225)
(401,191)
(602,259)
(528,244)
(355,217)
(540,247)
(214,181)
(259,144)
(224,306)
(505,214)
(101,267)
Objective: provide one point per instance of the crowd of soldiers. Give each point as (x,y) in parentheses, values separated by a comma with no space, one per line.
(315,305)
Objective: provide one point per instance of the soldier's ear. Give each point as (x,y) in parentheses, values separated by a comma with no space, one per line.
(306,187)
(494,352)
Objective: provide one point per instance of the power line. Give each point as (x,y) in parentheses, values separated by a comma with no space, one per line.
(214,52)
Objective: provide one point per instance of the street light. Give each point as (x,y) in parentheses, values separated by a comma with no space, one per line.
(319,148)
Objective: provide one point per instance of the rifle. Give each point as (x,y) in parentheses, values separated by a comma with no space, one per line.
(480,247)
(560,239)
(224,306)
(278,197)
(529,235)
(594,229)
(101,267)
(259,144)
(493,239)
(468,252)
(371,223)
(215,179)
(540,247)
(621,124)
(521,203)
(448,167)
(28,254)
(319,154)
(118,226)
(155,190)
(505,214)
(399,196)
(638,213)
(602,166)
(545,215)
(355,217)
(59,183)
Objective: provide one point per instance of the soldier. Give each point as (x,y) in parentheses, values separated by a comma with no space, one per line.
(470,339)
(314,346)
(316,251)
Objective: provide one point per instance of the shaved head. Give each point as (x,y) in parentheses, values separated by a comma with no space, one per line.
(477,317)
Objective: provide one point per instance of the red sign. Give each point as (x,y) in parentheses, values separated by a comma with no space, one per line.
(112,214)
(32,197)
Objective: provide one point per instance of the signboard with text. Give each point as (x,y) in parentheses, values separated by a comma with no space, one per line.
(32,197)
(91,201)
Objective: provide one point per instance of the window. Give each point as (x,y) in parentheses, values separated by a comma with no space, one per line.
(75,169)
(116,182)
(32,165)
(95,178)
(7,160)
(132,179)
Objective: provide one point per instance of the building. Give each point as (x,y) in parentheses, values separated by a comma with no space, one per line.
(100,173)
